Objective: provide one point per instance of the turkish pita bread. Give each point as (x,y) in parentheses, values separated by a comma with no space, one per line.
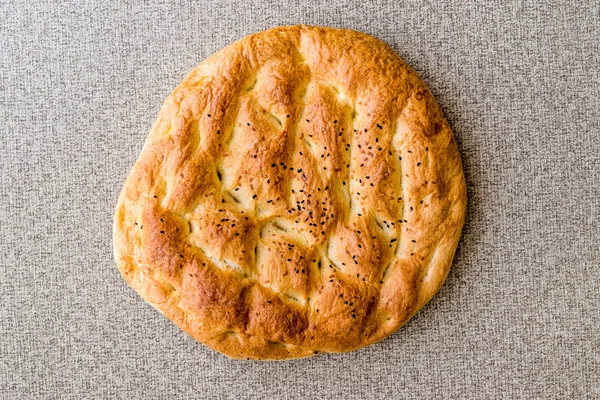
(300,192)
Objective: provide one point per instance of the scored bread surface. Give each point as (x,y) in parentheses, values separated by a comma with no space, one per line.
(300,192)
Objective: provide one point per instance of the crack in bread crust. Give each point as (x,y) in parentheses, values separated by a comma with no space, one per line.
(300,192)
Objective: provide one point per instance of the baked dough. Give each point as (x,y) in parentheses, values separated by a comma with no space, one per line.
(300,192)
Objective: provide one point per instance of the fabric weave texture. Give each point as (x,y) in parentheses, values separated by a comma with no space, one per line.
(519,82)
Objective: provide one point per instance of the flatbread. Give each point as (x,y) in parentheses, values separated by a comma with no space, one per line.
(300,192)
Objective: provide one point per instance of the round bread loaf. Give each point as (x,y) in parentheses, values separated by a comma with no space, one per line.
(300,192)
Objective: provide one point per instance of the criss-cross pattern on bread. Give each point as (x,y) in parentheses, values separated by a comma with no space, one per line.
(300,192)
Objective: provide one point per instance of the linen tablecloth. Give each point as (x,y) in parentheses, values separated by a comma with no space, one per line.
(519,81)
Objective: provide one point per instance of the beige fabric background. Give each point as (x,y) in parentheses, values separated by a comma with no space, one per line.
(519,81)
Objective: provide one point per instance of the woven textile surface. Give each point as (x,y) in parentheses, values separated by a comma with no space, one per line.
(518,317)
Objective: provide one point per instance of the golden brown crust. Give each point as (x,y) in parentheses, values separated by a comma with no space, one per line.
(300,192)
